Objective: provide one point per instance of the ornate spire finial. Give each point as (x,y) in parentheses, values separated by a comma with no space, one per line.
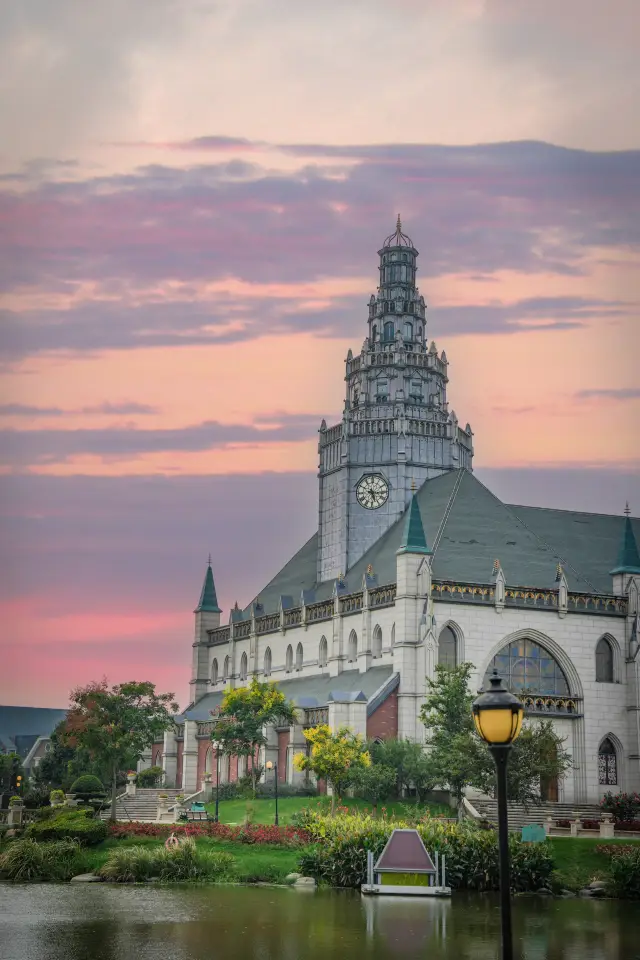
(496,565)
(413,485)
(399,225)
(209,561)
(369,570)
(627,511)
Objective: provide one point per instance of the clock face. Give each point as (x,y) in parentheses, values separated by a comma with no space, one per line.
(372,491)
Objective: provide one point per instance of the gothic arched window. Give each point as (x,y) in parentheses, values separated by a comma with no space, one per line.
(447,648)
(604,661)
(267,662)
(323,652)
(376,646)
(214,671)
(408,331)
(299,657)
(607,764)
(525,666)
(289,659)
(243,667)
(352,647)
(388,331)
(374,333)
(225,669)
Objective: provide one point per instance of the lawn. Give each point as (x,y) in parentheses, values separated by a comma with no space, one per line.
(577,862)
(263,809)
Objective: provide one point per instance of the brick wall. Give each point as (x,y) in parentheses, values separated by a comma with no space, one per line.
(383,722)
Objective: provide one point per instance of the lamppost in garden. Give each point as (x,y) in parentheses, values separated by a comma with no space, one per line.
(217,782)
(498,715)
(270,765)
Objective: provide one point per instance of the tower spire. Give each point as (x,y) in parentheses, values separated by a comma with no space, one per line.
(413,536)
(628,555)
(208,602)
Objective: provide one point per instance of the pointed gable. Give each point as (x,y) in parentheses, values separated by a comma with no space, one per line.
(628,557)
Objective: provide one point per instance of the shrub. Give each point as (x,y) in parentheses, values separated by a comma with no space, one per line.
(150,777)
(36,796)
(71,825)
(27,860)
(56,796)
(87,786)
(15,801)
(250,834)
(623,806)
(185,862)
(340,857)
(625,874)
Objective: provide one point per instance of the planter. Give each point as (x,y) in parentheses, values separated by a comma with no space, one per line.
(70,800)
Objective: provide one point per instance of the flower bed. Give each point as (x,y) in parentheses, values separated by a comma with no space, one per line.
(628,825)
(251,834)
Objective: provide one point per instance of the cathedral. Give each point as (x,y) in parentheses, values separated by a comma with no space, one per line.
(416,563)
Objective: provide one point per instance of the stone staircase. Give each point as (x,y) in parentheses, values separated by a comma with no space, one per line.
(520,816)
(143,807)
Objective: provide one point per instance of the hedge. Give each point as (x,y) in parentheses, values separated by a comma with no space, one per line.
(339,856)
(72,825)
(87,786)
(250,834)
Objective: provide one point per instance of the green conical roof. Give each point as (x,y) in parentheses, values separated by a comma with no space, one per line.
(628,557)
(208,599)
(413,538)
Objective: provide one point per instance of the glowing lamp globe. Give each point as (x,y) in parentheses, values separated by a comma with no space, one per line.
(269,765)
(497,714)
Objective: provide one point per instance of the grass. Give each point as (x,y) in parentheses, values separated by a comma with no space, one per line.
(264,809)
(577,862)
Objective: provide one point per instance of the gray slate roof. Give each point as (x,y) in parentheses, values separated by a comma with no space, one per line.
(468,528)
(20,727)
(315,691)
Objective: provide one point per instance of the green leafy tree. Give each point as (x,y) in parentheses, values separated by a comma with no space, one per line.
(375,783)
(410,763)
(335,757)
(116,725)
(242,717)
(459,758)
(455,753)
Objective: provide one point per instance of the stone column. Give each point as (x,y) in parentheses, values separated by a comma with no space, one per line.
(190,757)
(170,758)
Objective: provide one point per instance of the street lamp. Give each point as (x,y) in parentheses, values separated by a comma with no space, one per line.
(270,765)
(217,783)
(498,715)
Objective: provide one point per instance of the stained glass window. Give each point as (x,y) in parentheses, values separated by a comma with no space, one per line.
(604,661)
(525,666)
(447,648)
(607,764)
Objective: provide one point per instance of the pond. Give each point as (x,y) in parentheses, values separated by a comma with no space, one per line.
(105,922)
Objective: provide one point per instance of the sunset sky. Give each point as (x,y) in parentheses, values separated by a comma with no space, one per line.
(192,196)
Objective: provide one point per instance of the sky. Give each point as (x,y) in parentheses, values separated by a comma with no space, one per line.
(192,196)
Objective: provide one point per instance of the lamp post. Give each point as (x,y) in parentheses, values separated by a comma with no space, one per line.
(217,783)
(270,765)
(498,715)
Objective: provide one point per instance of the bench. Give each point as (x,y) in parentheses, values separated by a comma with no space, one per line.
(197,815)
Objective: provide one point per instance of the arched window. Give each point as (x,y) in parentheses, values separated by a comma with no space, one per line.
(323,652)
(388,331)
(243,667)
(225,670)
(604,661)
(408,331)
(607,764)
(208,761)
(289,659)
(419,332)
(267,662)
(525,666)
(447,648)
(352,647)
(299,657)
(214,671)
(376,645)
(374,332)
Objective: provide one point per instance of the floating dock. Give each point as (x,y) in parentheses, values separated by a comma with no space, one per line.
(405,869)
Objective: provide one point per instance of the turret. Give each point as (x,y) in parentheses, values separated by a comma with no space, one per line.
(628,562)
(207,617)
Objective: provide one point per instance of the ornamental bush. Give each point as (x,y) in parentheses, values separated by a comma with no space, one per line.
(625,873)
(250,834)
(339,857)
(87,786)
(70,825)
(184,862)
(150,777)
(623,806)
(26,860)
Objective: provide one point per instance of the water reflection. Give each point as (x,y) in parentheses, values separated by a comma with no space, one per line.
(100,922)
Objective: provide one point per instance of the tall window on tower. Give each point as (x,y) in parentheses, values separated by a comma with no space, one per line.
(388,331)
(408,330)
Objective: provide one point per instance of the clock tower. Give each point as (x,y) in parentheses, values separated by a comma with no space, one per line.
(396,429)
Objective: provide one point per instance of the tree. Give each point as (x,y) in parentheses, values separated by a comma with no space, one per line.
(409,761)
(334,757)
(63,764)
(455,753)
(458,757)
(116,725)
(375,783)
(243,715)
